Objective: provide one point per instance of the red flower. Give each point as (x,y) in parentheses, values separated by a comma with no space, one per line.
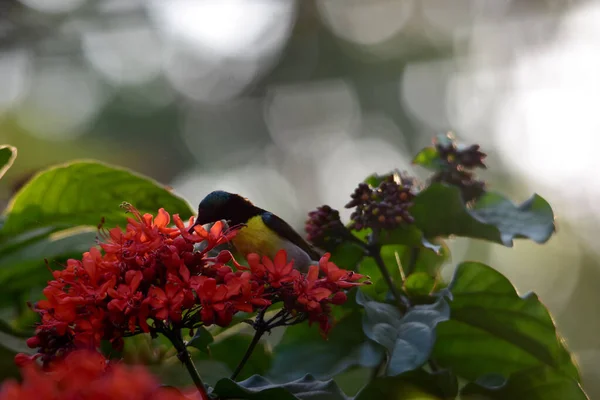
(306,294)
(167,303)
(309,292)
(212,296)
(343,278)
(85,375)
(129,301)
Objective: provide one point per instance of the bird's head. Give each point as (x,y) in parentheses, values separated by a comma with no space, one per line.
(221,205)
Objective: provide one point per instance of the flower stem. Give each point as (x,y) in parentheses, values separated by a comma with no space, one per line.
(376,254)
(184,356)
(374,250)
(257,335)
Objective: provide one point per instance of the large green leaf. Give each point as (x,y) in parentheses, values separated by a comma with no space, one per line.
(440,211)
(302,350)
(493,330)
(7,157)
(417,385)
(84,192)
(539,383)
(408,339)
(257,387)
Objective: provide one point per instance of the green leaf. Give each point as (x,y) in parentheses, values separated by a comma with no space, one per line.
(429,158)
(347,255)
(408,235)
(7,157)
(230,351)
(417,385)
(6,328)
(408,339)
(23,268)
(539,383)
(84,192)
(493,330)
(9,347)
(419,284)
(202,338)
(257,387)
(427,260)
(378,287)
(375,180)
(440,211)
(302,349)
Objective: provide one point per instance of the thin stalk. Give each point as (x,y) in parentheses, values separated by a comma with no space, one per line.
(184,356)
(376,254)
(257,335)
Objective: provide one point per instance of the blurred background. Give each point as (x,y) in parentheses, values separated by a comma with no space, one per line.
(292,103)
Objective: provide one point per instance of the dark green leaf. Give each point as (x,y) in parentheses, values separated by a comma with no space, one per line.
(257,387)
(6,328)
(24,267)
(82,193)
(493,330)
(539,383)
(7,157)
(429,158)
(417,385)
(303,350)
(9,347)
(409,339)
(230,351)
(532,219)
(440,211)
(202,338)
(408,235)
(347,255)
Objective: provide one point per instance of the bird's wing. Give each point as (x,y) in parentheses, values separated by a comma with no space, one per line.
(286,231)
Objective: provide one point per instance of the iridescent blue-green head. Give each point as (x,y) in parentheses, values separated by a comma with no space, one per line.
(221,205)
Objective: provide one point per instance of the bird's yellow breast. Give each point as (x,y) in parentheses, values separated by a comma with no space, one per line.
(258,238)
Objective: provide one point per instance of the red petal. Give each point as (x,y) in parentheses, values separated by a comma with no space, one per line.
(313,273)
(215,230)
(162,219)
(268,264)
(320,293)
(280,259)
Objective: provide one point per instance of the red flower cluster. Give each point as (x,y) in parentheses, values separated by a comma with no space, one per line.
(152,275)
(85,375)
(306,294)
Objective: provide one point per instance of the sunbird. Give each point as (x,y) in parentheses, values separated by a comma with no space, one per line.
(262,232)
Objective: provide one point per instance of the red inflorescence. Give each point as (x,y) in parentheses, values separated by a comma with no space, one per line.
(86,375)
(308,293)
(153,274)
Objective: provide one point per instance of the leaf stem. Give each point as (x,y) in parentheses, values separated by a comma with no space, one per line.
(184,356)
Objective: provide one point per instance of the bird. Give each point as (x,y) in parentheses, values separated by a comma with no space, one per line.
(261,231)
